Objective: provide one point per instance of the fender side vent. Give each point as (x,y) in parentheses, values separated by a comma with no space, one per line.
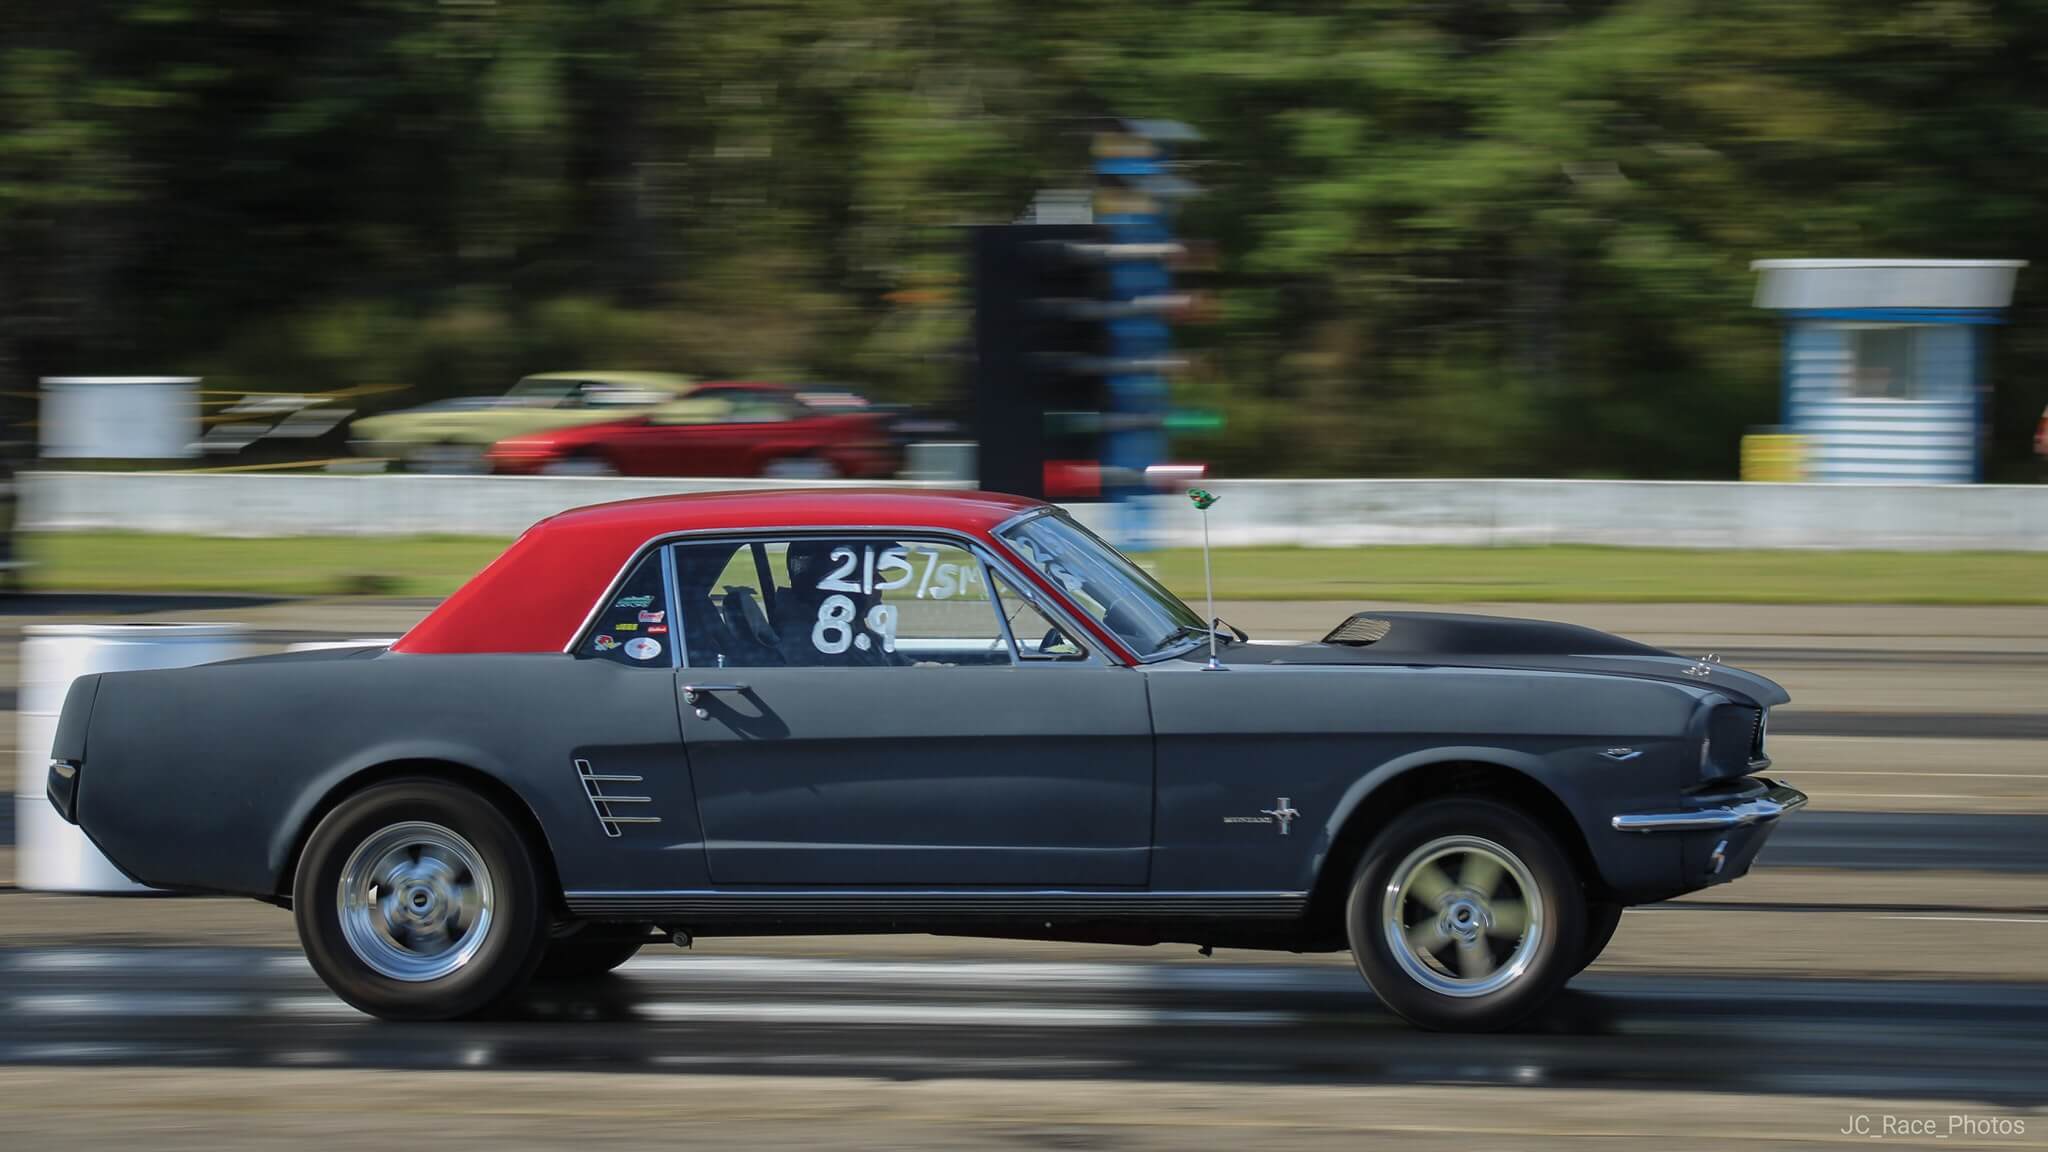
(1360,630)
(601,801)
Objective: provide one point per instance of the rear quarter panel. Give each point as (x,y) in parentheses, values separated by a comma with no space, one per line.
(206,778)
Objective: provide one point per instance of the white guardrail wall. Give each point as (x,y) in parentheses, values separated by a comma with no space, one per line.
(1308,513)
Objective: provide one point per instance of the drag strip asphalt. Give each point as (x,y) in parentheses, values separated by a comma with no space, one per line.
(685,1012)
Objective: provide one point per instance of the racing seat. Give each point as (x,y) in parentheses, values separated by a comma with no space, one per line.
(747,623)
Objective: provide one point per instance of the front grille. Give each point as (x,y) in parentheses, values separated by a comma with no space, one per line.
(601,801)
(1732,739)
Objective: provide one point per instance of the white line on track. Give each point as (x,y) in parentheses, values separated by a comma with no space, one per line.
(2037,921)
(321,1006)
(141,959)
(102,1003)
(2042,776)
(1923,795)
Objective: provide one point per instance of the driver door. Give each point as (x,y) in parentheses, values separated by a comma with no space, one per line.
(856,713)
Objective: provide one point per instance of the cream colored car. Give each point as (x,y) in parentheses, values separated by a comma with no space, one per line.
(453,435)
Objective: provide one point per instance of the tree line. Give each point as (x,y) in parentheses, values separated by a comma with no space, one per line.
(1452,237)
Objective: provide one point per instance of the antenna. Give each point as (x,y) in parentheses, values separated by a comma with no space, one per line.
(1202,498)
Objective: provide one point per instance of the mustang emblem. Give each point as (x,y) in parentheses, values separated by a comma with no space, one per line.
(1704,666)
(1282,813)
(1622,753)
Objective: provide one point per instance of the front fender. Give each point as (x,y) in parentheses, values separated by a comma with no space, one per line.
(1354,798)
(1329,740)
(1587,788)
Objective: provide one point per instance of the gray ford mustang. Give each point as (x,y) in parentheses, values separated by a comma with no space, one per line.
(900,711)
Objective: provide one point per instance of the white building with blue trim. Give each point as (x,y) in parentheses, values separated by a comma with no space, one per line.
(1884,377)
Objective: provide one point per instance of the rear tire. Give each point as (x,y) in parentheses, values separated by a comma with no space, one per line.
(419,900)
(1465,915)
(583,956)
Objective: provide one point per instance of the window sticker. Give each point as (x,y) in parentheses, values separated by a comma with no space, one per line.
(642,597)
(643,648)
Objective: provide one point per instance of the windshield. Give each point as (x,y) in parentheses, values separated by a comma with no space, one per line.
(1118,594)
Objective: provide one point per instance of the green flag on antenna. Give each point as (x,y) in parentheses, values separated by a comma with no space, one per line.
(1202,498)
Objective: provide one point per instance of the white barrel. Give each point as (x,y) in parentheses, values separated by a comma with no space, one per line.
(51,855)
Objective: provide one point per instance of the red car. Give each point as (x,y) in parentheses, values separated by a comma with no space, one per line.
(722,429)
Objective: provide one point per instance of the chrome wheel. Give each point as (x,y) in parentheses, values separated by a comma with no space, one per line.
(1463,916)
(415,901)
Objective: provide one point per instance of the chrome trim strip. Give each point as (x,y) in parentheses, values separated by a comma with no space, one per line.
(869,905)
(996,601)
(601,801)
(671,604)
(1019,518)
(1108,636)
(1777,800)
(1058,611)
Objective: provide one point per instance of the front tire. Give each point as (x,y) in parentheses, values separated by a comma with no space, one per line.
(1465,915)
(1602,918)
(419,900)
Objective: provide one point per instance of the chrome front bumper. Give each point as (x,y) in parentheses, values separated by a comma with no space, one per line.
(1777,800)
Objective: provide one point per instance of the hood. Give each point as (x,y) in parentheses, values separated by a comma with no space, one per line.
(1456,639)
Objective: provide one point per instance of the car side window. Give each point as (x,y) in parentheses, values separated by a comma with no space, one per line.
(633,625)
(836,602)
(762,408)
(1036,636)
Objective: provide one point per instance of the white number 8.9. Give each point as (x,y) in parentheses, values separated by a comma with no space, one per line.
(833,633)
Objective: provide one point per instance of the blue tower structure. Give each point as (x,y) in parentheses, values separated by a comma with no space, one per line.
(1884,363)
(1136,191)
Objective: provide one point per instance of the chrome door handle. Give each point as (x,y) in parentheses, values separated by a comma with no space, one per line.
(692,691)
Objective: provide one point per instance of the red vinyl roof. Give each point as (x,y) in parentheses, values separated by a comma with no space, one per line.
(534,596)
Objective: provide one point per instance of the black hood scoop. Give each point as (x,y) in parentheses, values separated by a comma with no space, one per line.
(1455,639)
(1445,633)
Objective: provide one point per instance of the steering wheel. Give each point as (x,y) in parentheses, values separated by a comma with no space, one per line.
(1055,639)
(1118,618)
